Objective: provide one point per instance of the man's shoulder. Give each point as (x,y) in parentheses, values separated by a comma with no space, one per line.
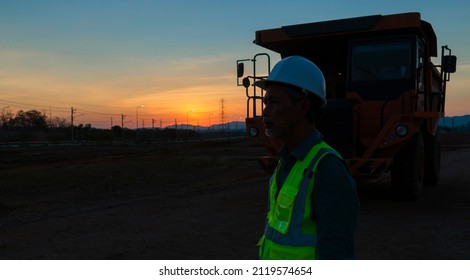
(333,174)
(331,160)
(325,150)
(331,165)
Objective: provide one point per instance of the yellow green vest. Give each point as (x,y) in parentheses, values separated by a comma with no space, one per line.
(290,232)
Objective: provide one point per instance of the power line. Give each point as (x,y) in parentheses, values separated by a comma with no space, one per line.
(31,105)
(82,105)
(97,113)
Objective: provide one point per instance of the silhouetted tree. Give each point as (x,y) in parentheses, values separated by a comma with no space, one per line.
(58,122)
(117,131)
(6,118)
(31,120)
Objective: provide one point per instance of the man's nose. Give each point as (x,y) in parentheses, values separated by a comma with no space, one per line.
(266,108)
(265,111)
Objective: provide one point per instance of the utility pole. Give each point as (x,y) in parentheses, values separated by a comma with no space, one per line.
(122,125)
(187,125)
(72,112)
(153,129)
(176,130)
(137,116)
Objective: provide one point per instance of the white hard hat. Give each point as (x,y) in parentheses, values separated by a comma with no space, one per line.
(299,72)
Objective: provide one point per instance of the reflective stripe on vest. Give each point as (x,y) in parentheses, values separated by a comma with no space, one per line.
(290,232)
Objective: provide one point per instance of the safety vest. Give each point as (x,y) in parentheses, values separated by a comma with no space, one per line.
(290,231)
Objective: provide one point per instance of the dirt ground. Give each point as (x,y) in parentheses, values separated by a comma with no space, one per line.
(199,201)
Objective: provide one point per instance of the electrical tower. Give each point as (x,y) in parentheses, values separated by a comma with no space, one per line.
(222,113)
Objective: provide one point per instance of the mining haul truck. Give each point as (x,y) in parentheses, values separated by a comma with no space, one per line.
(385,95)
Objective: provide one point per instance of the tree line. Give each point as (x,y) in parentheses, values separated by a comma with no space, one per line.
(34,125)
(32,120)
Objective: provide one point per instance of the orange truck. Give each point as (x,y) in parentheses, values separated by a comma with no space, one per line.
(385,95)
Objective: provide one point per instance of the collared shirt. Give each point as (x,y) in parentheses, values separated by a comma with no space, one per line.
(334,198)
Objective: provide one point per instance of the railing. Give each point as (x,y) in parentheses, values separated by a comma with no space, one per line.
(249,81)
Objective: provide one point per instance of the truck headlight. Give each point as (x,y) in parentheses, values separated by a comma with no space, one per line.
(253,131)
(401,130)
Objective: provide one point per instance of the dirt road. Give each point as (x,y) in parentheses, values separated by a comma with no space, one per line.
(197,201)
(437,226)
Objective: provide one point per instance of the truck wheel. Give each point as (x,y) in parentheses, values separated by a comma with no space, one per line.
(432,167)
(408,169)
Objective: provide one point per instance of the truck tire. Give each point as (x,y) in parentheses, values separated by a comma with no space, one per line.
(407,172)
(432,167)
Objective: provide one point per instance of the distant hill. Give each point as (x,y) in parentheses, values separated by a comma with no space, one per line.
(449,122)
(231,126)
(454,122)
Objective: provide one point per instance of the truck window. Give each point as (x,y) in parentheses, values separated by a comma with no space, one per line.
(380,62)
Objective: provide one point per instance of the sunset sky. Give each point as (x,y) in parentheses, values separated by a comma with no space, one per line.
(176,58)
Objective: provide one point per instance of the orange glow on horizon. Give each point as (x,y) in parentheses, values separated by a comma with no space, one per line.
(197,106)
(167,98)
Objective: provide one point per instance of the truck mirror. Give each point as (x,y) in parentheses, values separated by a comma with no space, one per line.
(246,82)
(240,69)
(449,63)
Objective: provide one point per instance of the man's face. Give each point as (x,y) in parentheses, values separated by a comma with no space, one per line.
(282,114)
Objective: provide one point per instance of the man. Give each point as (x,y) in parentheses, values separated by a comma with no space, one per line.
(313,203)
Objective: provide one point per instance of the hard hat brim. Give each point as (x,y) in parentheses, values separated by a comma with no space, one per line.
(264,84)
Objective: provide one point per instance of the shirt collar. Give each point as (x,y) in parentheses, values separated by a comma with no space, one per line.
(301,151)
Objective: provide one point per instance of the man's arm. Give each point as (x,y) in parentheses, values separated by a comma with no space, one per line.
(336,210)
